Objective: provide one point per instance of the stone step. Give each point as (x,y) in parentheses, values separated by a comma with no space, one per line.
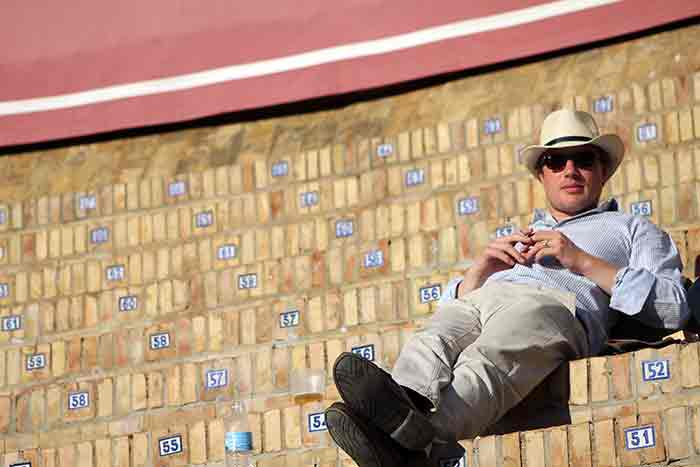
(656,437)
(601,388)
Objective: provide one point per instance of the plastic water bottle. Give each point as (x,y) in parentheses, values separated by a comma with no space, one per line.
(238,438)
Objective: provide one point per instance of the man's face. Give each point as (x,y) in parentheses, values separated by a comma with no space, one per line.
(573,179)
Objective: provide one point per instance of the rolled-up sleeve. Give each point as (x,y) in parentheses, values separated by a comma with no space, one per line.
(650,287)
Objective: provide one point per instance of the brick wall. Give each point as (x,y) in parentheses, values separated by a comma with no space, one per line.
(201,238)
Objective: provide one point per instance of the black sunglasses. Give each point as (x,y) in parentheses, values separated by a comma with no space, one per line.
(556,163)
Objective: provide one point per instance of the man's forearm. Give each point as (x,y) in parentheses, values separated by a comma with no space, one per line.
(599,271)
(469,283)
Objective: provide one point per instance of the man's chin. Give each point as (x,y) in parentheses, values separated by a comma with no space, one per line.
(571,209)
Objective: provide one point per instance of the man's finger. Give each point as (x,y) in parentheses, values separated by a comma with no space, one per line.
(541,254)
(530,254)
(514,238)
(542,234)
(500,255)
(511,251)
(544,250)
(534,250)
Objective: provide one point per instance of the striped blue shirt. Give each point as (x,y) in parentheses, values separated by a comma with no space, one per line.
(648,284)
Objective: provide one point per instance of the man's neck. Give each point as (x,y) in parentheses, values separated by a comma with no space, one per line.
(562,215)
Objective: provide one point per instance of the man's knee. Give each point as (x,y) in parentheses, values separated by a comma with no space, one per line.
(453,320)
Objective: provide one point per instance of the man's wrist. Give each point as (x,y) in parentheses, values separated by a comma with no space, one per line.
(597,270)
(586,264)
(467,284)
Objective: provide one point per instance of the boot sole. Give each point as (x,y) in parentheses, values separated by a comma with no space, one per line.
(351,435)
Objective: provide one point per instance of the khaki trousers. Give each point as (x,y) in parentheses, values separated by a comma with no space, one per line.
(480,355)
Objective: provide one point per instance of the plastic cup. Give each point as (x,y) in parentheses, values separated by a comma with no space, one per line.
(307,385)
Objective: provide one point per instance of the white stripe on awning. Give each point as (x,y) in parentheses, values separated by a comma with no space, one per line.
(301,60)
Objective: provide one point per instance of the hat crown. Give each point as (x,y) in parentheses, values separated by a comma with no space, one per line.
(567,123)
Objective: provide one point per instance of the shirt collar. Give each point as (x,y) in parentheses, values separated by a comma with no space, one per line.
(543,219)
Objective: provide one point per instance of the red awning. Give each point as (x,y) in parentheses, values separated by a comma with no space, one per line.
(86,67)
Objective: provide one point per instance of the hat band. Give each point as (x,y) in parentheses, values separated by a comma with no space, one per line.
(564,139)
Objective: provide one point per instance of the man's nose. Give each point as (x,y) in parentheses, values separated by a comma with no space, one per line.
(570,166)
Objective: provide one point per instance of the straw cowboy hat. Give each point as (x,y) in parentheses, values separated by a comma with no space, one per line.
(567,128)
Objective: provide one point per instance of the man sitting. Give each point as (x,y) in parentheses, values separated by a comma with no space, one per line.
(531,301)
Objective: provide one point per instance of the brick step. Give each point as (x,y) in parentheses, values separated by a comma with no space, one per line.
(366,302)
(193,338)
(656,437)
(403,221)
(601,388)
(279,426)
(428,220)
(134,387)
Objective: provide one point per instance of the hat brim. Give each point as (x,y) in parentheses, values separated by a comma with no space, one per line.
(611,144)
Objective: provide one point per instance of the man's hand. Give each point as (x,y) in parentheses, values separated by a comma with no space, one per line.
(499,255)
(557,245)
